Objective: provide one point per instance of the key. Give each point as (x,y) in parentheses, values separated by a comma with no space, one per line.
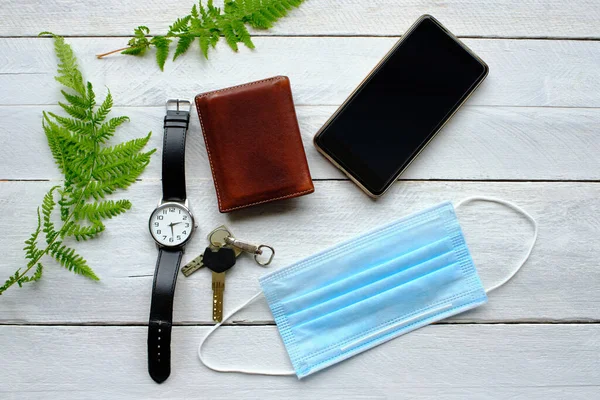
(193,266)
(218,287)
(218,260)
(198,262)
(217,239)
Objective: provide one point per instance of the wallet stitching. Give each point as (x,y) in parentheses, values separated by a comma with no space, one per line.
(210,158)
(239,86)
(272,199)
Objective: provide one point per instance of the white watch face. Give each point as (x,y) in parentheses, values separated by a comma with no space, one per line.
(171,224)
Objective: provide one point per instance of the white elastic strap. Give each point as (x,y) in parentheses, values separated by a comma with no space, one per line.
(240,370)
(518,209)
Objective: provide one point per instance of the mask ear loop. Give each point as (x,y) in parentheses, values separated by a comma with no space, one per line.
(519,210)
(240,370)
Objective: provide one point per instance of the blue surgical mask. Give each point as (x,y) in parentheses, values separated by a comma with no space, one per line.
(375,287)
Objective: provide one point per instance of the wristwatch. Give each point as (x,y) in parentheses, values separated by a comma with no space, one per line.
(171,226)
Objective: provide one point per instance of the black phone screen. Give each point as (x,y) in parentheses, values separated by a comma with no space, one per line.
(401,105)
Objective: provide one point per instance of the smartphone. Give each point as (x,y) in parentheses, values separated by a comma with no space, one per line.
(400,106)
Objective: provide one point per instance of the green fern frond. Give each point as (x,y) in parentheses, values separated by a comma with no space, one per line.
(20,278)
(104,109)
(123,150)
(91,170)
(194,12)
(162,50)
(76,101)
(68,258)
(136,50)
(68,70)
(204,17)
(102,210)
(91,96)
(230,36)
(80,126)
(208,23)
(31,250)
(204,43)
(11,280)
(36,276)
(213,11)
(66,201)
(74,111)
(51,131)
(108,129)
(99,189)
(242,34)
(125,166)
(139,43)
(185,41)
(180,24)
(81,232)
(70,143)
(141,31)
(48,205)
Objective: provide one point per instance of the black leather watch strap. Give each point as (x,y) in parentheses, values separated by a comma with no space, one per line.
(173,160)
(161,314)
(169,259)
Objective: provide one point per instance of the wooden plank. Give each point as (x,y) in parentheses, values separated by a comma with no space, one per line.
(559,282)
(338,17)
(450,362)
(479,143)
(323,71)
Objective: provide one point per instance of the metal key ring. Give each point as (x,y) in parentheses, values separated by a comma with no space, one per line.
(219,240)
(260,252)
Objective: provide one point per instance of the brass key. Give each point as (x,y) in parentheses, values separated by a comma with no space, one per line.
(218,261)
(193,266)
(218,287)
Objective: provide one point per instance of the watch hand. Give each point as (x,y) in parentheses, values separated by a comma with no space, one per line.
(171,225)
(175,223)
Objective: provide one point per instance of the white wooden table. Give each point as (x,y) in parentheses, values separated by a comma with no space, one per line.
(530,135)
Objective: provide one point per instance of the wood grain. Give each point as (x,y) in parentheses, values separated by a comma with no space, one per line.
(479,143)
(323,71)
(537,18)
(559,283)
(450,362)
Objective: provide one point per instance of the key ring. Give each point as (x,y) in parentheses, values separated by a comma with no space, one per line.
(222,236)
(264,246)
(252,249)
(218,237)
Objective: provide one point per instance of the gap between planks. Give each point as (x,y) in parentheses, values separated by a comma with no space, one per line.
(272,323)
(496,37)
(295,105)
(346,179)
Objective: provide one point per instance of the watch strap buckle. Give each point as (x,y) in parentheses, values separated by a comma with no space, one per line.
(178,105)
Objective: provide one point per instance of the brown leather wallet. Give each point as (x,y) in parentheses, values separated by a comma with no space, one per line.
(253,143)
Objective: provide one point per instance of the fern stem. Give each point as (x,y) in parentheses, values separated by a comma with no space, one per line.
(111,52)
